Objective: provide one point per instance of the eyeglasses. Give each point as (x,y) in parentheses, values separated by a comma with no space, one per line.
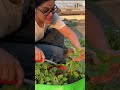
(47,11)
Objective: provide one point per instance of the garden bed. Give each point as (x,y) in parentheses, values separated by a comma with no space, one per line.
(69,76)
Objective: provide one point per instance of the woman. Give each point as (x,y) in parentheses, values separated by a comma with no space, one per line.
(46,16)
(14,24)
(98,40)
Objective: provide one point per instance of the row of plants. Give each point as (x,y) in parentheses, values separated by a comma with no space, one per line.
(60,74)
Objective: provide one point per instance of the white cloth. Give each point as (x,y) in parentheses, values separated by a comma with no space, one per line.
(39,32)
(57,23)
(10,17)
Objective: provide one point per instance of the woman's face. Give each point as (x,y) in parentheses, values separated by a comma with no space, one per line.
(44,13)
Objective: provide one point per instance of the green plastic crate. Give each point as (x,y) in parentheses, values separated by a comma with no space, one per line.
(79,85)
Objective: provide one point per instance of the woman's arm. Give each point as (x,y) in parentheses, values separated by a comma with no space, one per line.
(10,69)
(65,30)
(94,33)
(96,36)
(68,33)
(97,39)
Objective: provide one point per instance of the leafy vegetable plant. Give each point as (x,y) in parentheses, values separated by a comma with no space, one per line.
(60,74)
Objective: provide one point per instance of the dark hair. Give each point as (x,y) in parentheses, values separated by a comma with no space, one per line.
(39,2)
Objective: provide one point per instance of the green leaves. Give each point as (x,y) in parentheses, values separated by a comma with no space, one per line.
(44,74)
(69,45)
(76,53)
(82,42)
(113,37)
(115,60)
(56,76)
(76,75)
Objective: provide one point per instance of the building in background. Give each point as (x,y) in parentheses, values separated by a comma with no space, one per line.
(71,7)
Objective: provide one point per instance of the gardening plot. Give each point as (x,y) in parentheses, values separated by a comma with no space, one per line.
(65,76)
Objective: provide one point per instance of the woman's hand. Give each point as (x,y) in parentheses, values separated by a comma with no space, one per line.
(114,69)
(11,71)
(114,72)
(81,57)
(39,55)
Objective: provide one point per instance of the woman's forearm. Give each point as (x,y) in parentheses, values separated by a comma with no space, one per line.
(95,34)
(74,40)
(68,33)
